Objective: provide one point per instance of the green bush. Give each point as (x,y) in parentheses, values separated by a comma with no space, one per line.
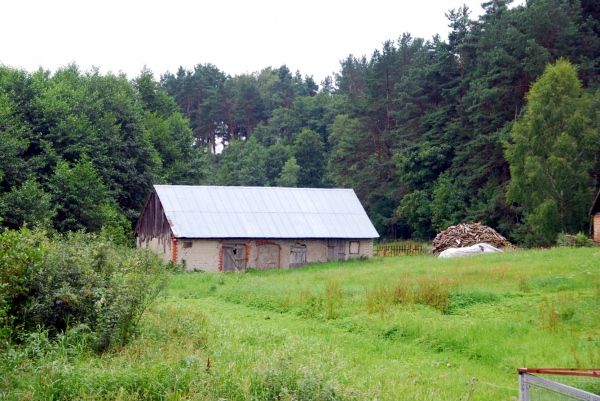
(562,240)
(20,254)
(581,241)
(76,279)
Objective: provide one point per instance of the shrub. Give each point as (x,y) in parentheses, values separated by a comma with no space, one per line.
(20,254)
(581,241)
(79,279)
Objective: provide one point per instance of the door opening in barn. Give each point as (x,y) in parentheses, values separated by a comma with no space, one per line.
(336,249)
(234,257)
(297,255)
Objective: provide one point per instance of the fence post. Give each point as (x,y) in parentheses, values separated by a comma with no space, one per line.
(523,390)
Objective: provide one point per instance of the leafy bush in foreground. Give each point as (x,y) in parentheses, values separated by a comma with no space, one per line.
(75,279)
(21,252)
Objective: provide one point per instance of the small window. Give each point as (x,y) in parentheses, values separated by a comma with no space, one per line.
(354,247)
(187,244)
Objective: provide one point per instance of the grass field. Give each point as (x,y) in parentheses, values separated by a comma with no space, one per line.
(408,328)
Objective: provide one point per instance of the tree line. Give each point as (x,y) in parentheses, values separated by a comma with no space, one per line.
(429,133)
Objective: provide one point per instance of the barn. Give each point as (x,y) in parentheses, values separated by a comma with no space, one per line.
(215,228)
(595,212)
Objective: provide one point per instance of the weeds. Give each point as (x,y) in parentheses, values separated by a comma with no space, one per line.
(288,382)
(560,310)
(400,295)
(378,300)
(471,386)
(523,282)
(333,299)
(424,290)
(502,270)
(434,292)
(549,314)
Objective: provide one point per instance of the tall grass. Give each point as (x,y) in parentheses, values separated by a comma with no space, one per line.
(414,328)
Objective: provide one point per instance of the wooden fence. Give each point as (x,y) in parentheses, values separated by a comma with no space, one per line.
(398,250)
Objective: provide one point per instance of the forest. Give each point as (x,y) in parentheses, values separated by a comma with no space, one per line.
(498,123)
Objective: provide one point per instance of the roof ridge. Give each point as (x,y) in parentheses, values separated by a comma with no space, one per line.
(253,187)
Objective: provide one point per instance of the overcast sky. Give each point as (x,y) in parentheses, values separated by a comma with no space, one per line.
(237,36)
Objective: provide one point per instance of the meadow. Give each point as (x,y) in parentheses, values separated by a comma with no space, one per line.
(405,328)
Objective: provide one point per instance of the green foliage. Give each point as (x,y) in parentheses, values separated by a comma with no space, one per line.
(80,196)
(552,154)
(62,117)
(266,135)
(349,164)
(242,163)
(85,281)
(289,174)
(28,204)
(21,254)
(448,205)
(13,140)
(284,381)
(562,240)
(154,99)
(251,170)
(416,209)
(117,230)
(310,156)
(276,157)
(93,143)
(76,279)
(581,240)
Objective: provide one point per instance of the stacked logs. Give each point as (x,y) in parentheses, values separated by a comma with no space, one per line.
(467,234)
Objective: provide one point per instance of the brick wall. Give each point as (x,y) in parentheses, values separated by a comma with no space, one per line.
(597,228)
(175,251)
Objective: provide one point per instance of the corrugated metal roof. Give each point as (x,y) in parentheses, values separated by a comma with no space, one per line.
(264,212)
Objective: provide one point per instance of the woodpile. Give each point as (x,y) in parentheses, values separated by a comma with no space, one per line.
(467,234)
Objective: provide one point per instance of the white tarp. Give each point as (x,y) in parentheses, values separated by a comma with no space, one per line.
(469,251)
